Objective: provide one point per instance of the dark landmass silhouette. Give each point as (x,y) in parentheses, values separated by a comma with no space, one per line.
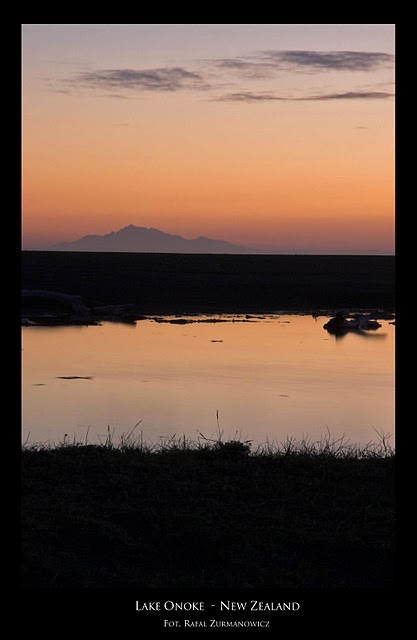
(134,239)
(183,283)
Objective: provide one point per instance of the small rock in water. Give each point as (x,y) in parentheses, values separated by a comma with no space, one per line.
(342,323)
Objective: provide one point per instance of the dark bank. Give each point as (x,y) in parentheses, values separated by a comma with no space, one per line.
(181,283)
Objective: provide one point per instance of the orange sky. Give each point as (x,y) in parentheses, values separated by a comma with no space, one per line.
(225,135)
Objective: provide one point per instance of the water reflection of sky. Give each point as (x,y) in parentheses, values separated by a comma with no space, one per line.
(267,379)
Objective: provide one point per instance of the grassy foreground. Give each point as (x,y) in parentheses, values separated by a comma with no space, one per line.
(210,515)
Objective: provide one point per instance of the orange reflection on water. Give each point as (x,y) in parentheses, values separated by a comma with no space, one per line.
(273,378)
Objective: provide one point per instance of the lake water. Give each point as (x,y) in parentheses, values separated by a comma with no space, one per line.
(267,379)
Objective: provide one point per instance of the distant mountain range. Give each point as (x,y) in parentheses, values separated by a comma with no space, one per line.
(147,240)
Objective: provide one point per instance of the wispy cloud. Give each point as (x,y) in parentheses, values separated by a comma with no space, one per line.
(249,96)
(248,67)
(351,95)
(161,79)
(117,96)
(326,60)
(210,75)
(269,63)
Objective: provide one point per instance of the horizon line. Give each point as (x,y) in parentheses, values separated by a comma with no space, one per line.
(274,253)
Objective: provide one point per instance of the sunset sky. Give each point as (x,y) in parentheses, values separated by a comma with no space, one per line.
(279,136)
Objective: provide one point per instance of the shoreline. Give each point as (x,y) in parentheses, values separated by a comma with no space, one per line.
(35,320)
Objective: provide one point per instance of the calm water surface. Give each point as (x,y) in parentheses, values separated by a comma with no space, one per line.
(267,379)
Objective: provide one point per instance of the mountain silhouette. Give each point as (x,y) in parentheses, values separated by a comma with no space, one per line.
(147,240)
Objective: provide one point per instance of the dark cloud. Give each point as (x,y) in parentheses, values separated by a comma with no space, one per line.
(325,60)
(248,96)
(265,64)
(163,79)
